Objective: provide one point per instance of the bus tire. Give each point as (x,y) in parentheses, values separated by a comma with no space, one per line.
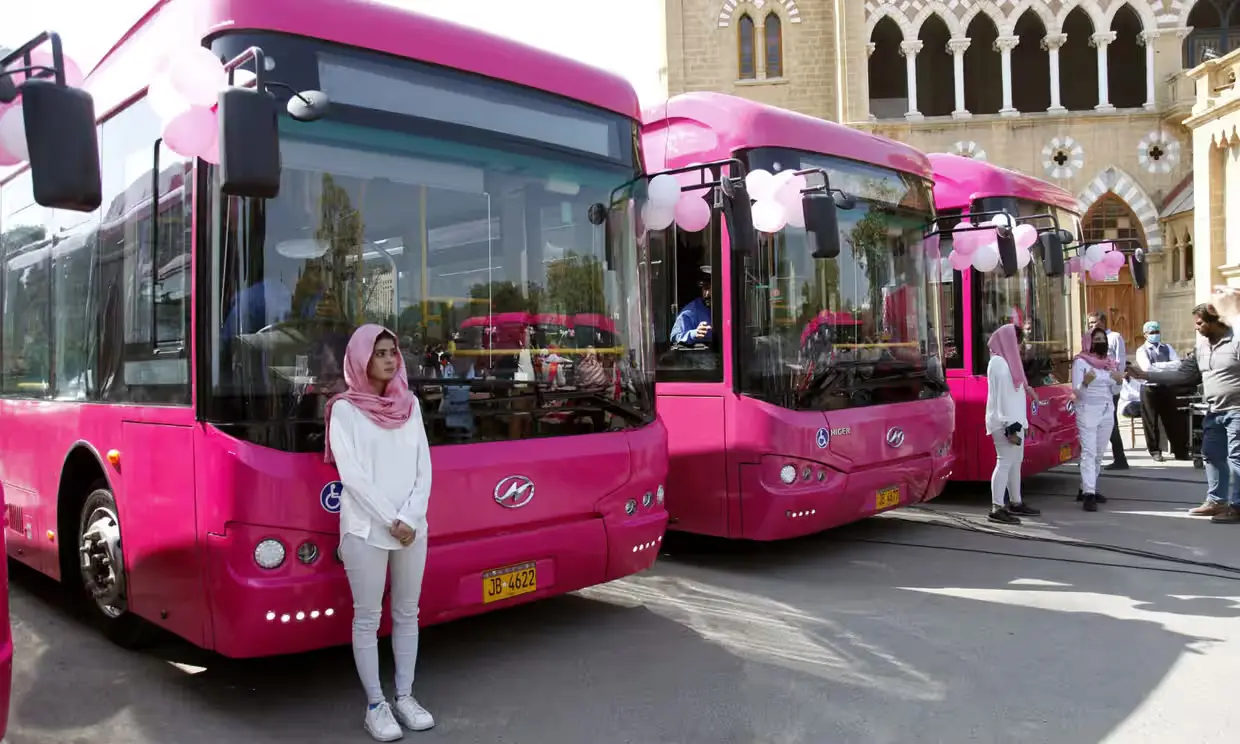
(101,576)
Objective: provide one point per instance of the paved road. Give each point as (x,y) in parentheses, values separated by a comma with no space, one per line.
(898,629)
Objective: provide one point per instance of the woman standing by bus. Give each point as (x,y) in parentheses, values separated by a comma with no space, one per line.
(1096,381)
(1006,421)
(377,440)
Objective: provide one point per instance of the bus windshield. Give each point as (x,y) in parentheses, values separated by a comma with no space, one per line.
(1030,298)
(476,247)
(853,331)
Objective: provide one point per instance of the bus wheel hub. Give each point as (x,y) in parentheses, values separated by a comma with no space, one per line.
(103,566)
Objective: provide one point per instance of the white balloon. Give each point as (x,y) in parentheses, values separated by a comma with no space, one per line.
(1095,253)
(789,197)
(656,217)
(769,216)
(164,99)
(1023,256)
(664,191)
(986,258)
(761,185)
(13,133)
(1001,220)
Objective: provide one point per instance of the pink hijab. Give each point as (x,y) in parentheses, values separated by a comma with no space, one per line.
(1088,356)
(1003,343)
(390,410)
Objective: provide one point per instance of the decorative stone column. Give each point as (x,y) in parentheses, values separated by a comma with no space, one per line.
(1148,39)
(1052,43)
(1004,45)
(910,50)
(869,52)
(1101,41)
(956,48)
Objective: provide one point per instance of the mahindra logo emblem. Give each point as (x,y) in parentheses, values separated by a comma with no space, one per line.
(514,492)
(895,436)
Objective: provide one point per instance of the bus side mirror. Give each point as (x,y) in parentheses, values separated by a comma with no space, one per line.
(822,223)
(249,144)
(1007,250)
(63,146)
(1137,264)
(1053,243)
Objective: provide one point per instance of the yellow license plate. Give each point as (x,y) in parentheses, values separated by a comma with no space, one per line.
(505,583)
(887,498)
(1065,453)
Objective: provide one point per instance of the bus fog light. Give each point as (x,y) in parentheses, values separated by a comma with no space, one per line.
(788,474)
(659,494)
(269,554)
(648,499)
(307,552)
(806,473)
(630,507)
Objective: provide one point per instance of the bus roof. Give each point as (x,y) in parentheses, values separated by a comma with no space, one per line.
(712,126)
(125,69)
(958,181)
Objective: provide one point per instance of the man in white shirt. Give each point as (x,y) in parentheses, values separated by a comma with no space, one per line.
(1158,402)
(1118,353)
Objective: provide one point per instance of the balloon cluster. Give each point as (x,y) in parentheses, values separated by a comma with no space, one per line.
(1100,260)
(13,148)
(980,248)
(777,201)
(184,93)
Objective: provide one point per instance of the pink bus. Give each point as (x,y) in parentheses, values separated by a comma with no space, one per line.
(165,360)
(6,635)
(817,397)
(975,304)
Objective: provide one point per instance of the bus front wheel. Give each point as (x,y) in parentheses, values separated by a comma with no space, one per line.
(101,562)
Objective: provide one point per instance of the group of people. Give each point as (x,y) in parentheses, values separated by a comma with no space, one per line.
(1100,373)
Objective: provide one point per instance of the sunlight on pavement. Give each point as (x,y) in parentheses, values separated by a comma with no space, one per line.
(760,629)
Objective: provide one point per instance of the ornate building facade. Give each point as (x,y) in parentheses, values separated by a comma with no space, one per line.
(1088,94)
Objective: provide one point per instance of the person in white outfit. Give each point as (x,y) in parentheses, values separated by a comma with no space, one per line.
(376,438)
(1006,421)
(1096,381)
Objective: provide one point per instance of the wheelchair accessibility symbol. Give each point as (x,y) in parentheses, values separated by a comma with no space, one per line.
(329,497)
(823,438)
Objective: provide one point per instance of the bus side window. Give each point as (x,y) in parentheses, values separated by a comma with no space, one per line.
(143,265)
(25,245)
(686,292)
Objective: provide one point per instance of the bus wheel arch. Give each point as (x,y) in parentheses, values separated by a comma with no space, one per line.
(84,487)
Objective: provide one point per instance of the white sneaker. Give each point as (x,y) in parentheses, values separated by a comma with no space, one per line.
(413,716)
(381,725)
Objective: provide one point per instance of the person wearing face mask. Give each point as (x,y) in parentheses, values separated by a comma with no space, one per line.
(1158,402)
(1006,421)
(1118,353)
(693,323)
(1096,381)
(1215,364)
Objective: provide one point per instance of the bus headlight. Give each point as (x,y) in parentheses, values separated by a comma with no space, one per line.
(630,507)
(307,552)
(788,474)
(269,554)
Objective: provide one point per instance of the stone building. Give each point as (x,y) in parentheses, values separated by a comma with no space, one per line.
(1088,94)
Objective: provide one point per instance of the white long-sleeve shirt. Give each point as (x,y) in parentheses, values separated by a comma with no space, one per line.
(386,474)
(1005,403)
(1117,351)
(1097,393)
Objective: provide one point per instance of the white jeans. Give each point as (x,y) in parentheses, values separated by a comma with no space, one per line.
(1007,469)
(367,569)
(1093,427)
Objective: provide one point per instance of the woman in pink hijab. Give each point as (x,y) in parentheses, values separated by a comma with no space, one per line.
(376,438)
(1006,422)
(1096,380)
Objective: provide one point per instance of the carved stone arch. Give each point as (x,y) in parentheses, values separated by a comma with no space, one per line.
(942,11)
(1181,10)
(1149,21)
(1091,8)
(987,7)
(1052,24)
(728,9)
(889,10)
(1124,186)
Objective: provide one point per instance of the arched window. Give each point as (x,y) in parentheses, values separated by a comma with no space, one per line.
(774,40)
(1175,264)
(744,48)
(1188,258)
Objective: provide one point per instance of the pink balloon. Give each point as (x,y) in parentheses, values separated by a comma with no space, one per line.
(1073,265)
(43,58)
(6,157)
(1115,259)
(192,132)
(692,212)
(198,75)
(212,153)
(959,261)
(967,243)
(1099,273)
(1025,236)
